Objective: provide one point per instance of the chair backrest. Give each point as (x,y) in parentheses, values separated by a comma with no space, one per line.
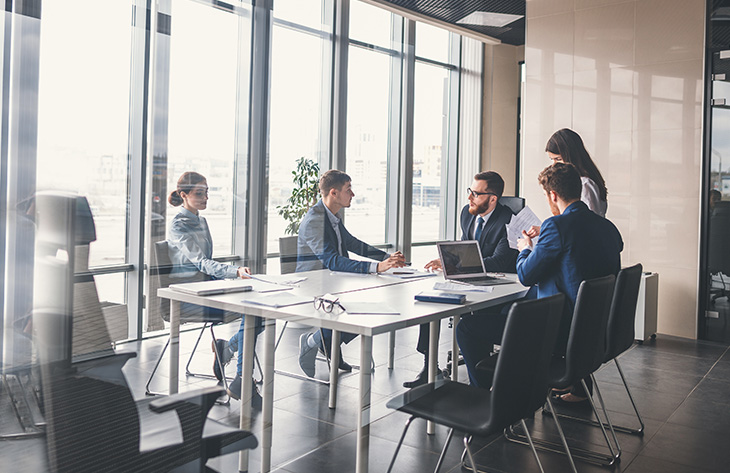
(620,331)
(160,269)
(587,340)
(288,254)
(521,375)
(515,204)
(718,260)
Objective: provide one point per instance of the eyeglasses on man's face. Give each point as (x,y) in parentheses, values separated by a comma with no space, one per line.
(476,194)
(326,304)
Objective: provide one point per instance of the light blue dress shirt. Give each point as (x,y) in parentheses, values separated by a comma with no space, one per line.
(191,248)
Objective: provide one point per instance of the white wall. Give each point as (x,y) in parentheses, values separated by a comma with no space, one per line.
(627,76)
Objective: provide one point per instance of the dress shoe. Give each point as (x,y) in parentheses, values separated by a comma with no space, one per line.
(422,378)
(307,355)
(234,390)
(224,354)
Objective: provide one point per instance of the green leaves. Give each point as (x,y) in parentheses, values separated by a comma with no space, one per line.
(304,195)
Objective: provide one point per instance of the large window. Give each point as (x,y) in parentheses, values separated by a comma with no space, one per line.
(83,113)
(203,90)
(431,138)
(370,90)
(299,93)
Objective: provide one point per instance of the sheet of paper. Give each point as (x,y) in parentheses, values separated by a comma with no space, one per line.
(525,219)
(368,308)
(283,279)
(460,287)
(281,299)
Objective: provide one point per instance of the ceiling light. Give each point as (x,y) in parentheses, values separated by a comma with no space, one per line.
(484,18)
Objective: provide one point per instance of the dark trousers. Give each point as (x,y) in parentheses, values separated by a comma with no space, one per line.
(477,334)
(344,338)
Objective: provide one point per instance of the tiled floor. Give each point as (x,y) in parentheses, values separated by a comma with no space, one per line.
(682,388)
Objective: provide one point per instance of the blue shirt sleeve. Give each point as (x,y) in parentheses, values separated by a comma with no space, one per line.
(532,265)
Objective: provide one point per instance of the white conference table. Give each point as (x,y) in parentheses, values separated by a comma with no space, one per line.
(397,293)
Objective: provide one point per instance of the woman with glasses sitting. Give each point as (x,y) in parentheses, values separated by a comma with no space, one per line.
(191,252)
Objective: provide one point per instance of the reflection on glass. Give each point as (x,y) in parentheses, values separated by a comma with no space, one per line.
(430,139)
(370,24)
(297,81)
(204,57)
(368,125)
(83,113)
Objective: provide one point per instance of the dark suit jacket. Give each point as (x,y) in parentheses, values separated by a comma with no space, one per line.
(574,246)
(317,245)
(497,255)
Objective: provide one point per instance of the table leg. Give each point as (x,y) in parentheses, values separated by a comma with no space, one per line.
(174,344)
(334,368)
(363,420)
(391,349)
(455,351)
(433,357)
(246,380)
(268,394)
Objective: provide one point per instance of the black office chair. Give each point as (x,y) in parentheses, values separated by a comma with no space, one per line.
(520,381)
(160,269)
(620,334)
(584,354)
(718,259)
(515,204)
(94,424)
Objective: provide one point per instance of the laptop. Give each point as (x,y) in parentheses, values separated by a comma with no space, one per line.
(462,261)
(212,288)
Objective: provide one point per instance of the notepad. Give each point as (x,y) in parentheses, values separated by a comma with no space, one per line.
(212,288)
(278,299)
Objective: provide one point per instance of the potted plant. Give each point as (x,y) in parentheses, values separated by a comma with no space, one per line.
(303,196)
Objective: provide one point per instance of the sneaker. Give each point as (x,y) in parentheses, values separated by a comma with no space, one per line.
(307,355)
(234,390)
(343,365)
(222,352)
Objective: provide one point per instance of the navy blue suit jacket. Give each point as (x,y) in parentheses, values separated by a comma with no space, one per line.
(498,256)
(574,246)
(317,245)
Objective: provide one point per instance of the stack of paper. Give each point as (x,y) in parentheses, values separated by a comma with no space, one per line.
(407,273)
(460,287)
(522,221)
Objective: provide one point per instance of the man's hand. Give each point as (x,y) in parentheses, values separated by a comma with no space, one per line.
(433,265)
(396,260)
(244,272)
(533,231)
(524,242)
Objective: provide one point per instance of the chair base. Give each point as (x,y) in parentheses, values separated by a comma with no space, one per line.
(17,393)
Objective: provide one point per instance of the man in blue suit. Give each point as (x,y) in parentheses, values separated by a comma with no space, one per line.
(324,242)
(575,245)
(482,219)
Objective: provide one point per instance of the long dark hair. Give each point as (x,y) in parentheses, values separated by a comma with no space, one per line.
(569,145)
(186,183)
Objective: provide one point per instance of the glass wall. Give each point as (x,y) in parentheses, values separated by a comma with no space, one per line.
(122,114)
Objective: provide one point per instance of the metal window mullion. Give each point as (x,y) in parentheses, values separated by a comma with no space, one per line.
(328,71)
(404,202)
(22,147)
(4,137)
(141,97)
(258,150)
(450,166)
(340,55)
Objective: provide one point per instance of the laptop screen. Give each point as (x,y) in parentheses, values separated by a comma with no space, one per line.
(461,258)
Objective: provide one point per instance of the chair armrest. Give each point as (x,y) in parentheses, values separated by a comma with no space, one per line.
(192,409)
(205,398)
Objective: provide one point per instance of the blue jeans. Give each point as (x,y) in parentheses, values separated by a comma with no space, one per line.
(236,341)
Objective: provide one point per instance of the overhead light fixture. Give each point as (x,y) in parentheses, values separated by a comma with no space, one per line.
(485,18)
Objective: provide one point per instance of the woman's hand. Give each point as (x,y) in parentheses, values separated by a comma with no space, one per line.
(244,272)
(433,265)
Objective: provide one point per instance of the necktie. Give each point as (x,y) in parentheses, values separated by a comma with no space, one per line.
(480,227)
